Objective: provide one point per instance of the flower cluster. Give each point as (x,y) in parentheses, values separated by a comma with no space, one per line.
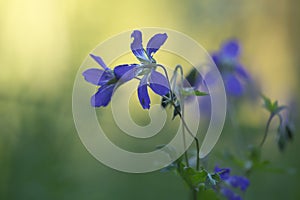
(173,93)
(227,59)
(109,79)
(230,181)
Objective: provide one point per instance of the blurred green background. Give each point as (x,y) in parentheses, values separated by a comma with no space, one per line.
(42,45)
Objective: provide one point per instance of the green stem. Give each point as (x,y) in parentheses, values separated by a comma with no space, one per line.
(196,141)
(184,125)
(171,94)
(183,121)
(178,67)
(266,130)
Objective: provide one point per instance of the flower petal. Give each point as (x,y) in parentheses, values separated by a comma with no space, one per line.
(99,60)
(102,96)
(97,76)
(125,72)
(238,182)
(137,45)
(233,85)
(223,172)
(155,43)
(159,83)
(229,194)
(241,71)
(143,93)
(230,49)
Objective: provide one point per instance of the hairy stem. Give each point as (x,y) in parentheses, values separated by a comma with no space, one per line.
(184,125)
(178,67)
(196,141)
(171,94)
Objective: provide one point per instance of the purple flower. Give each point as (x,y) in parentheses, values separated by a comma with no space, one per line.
(107,79)
(239,182)
(227,61)
(229,194)
(155,80)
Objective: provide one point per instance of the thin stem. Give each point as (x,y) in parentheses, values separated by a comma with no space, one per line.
(184,146)
(178,67)
(184,123)
(166,73)
(138,78)
(266,130)
(183,132)
(196,141)
(234,120)
(181,114)
(268,126)
(181,117)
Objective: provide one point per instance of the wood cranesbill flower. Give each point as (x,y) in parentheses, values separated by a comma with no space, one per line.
(107,79)
(147,69)
(234,74)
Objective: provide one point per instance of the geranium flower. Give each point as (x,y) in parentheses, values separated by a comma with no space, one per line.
(155,80)
(107,78)
(234,74)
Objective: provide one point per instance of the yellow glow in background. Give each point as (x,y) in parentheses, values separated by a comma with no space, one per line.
(42,44)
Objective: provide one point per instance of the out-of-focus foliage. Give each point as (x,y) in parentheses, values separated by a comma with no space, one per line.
(42,44)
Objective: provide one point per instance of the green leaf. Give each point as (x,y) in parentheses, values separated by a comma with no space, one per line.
(185,92)
(199,93)
(269,105)
(192,177)
(272,107)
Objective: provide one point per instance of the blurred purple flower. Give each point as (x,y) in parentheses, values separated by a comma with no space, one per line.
(234,74)
(229,194)
(231,181)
